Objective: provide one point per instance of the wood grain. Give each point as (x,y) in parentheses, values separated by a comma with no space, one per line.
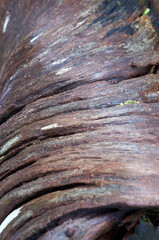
(79,113)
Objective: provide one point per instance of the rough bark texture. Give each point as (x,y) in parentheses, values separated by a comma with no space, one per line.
(79,112)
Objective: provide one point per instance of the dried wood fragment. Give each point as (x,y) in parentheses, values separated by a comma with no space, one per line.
(79,114)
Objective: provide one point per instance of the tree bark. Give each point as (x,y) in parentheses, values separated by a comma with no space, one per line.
(79,114)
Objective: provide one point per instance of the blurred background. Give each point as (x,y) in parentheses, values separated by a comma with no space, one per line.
(145,231)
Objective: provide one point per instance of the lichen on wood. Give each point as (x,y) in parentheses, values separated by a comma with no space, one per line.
(79,118)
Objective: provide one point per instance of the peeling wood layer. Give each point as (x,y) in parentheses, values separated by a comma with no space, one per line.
(79,113)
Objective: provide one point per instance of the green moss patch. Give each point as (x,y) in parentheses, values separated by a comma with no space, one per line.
(128,102)
(147,10)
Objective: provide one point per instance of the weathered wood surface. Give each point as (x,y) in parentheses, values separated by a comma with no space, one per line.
(76,161)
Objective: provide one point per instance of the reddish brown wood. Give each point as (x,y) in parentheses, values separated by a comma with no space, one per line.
(155,4)
(79,112)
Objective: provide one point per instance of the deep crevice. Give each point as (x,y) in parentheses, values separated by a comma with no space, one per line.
(74,85)
(11,114)
(75,214)
(44,192)
(6,174)
(80,213)
(11,152)
(55,92)
(50,174)
(33,179)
